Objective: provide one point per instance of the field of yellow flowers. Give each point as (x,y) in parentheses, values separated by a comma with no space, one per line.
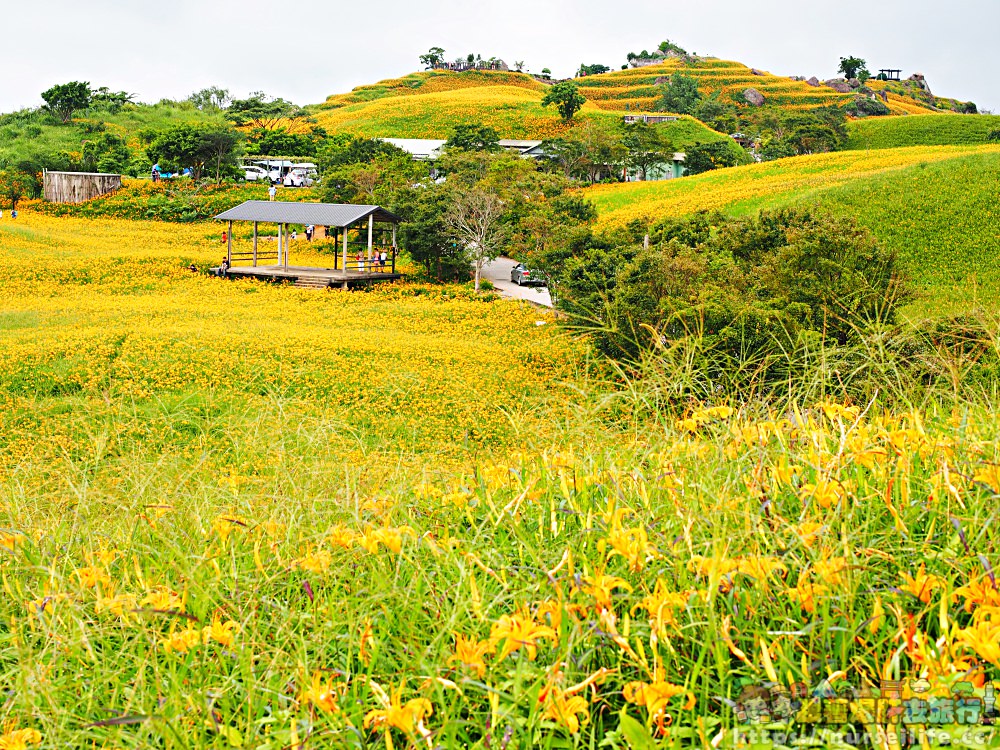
(237,515)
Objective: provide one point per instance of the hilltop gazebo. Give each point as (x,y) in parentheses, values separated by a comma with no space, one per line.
(373,229)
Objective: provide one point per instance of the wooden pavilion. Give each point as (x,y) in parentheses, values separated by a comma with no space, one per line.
(367,230)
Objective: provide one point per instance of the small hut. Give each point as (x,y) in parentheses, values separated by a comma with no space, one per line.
(77,187)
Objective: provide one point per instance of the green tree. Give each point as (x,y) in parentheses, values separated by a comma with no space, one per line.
(211,98)
(340,151)
(281,142)
(109,100)
(851,66)
(199,148)
(65,99)
(592,70)
(679,95)
(704,157)
(469,137)
(107,153)
(566,97)
(258,112)
(994,135)
(646,147)
(15,185)
(433,57)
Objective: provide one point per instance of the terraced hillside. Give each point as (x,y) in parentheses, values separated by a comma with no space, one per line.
(430,105)
(934,204)
(929,130)
(636,89)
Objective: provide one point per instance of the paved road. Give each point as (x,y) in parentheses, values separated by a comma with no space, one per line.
(498,272)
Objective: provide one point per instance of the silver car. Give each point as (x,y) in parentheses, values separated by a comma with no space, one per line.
(523,276)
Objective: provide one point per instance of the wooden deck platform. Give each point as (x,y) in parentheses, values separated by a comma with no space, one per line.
(311,278)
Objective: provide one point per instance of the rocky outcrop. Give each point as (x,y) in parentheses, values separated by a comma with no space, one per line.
(754,97)
(755,72)
(814,81)
(839,85)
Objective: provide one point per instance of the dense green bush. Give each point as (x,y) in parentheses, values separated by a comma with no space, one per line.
(745,285)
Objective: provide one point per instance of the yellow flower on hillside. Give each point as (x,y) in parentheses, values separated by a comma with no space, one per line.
(825,492)
(600,587)
(519,631)
(18,739)
(805,593)
(656,696)
(92,577)
(921,585)
(317,562)
(569,711)
(990,476)
(323,693)
(342,536)
(120,605)
(981,592)
(831,570)
(163,600)
(469,653)
(983,636)
(223,633)
(633,545)
(181,641)
(406,717)
(662,605)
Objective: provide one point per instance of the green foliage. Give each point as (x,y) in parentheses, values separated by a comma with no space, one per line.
(281,142)
(993,135)
(709,156)
(107,100)
(925,130)
(15,185)
(744,285)
(107,153)
(434,56)
(862,106)
(566,97)
(211,98)
(592,70)
(679,95)
(258,112)
(646,147)
(341,151)
(62,100)
(852,67)
(201,148)
(472,137)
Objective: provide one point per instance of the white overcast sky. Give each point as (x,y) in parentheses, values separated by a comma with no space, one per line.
(305,50)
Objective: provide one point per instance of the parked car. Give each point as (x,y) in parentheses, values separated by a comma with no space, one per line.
(522,275)
(298,178)
(253,173)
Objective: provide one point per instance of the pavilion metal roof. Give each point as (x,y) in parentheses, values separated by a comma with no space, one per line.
(320,214)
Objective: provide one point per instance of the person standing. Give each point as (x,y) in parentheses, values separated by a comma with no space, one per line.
(309,232)
(383,257)
(271,192)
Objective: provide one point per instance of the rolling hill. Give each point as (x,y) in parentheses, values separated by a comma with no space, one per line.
(935,205)
(429,105)
(929,130)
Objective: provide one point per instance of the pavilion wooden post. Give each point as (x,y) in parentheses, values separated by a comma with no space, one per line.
(279,244)
(394,248)
(371,223)
(345,258)
(255,244)
(288,246)
(229,246)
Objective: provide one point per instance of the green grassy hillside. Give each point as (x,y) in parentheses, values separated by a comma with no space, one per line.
(927,130)
(935,205)
(513,111)
(31,136)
